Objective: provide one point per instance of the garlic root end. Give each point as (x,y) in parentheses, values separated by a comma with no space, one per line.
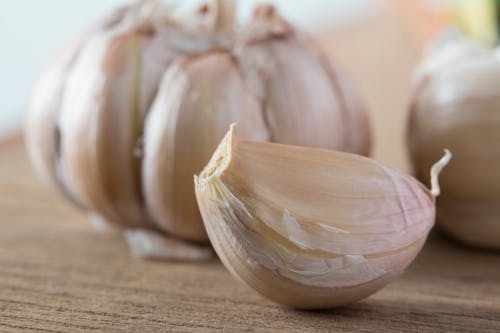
(153,245)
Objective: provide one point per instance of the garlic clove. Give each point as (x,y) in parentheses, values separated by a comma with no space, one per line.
(311,228)
(198,98)
(355,115)
(100,124)
(41,131)
(302,101)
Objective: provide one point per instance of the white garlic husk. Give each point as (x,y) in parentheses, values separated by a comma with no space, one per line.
(312,228)
(124,118)
(456,104)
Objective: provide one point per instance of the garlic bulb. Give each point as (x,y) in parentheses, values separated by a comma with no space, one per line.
(312,228)
(456,103)
(124,118)
(93,96)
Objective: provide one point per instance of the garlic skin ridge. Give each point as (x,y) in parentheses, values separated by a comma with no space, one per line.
(307,262)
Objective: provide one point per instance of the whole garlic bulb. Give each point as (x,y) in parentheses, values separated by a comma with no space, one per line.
(124,118)
(312,228)
(456,104)
(88,108)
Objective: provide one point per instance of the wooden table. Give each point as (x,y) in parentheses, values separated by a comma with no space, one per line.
(58,275)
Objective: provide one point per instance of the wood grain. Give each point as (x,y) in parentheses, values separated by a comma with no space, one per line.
(58,275)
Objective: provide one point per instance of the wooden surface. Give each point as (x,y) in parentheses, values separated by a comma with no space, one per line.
(58,275)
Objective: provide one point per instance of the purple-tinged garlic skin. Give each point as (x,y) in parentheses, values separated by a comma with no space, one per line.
(312,228)
(456,104)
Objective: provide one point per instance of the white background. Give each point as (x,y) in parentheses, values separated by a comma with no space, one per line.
(30,31)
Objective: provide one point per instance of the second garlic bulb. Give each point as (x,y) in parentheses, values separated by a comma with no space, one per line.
(456,105)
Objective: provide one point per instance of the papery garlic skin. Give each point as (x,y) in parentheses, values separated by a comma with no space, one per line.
(311,228)
(457,105)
